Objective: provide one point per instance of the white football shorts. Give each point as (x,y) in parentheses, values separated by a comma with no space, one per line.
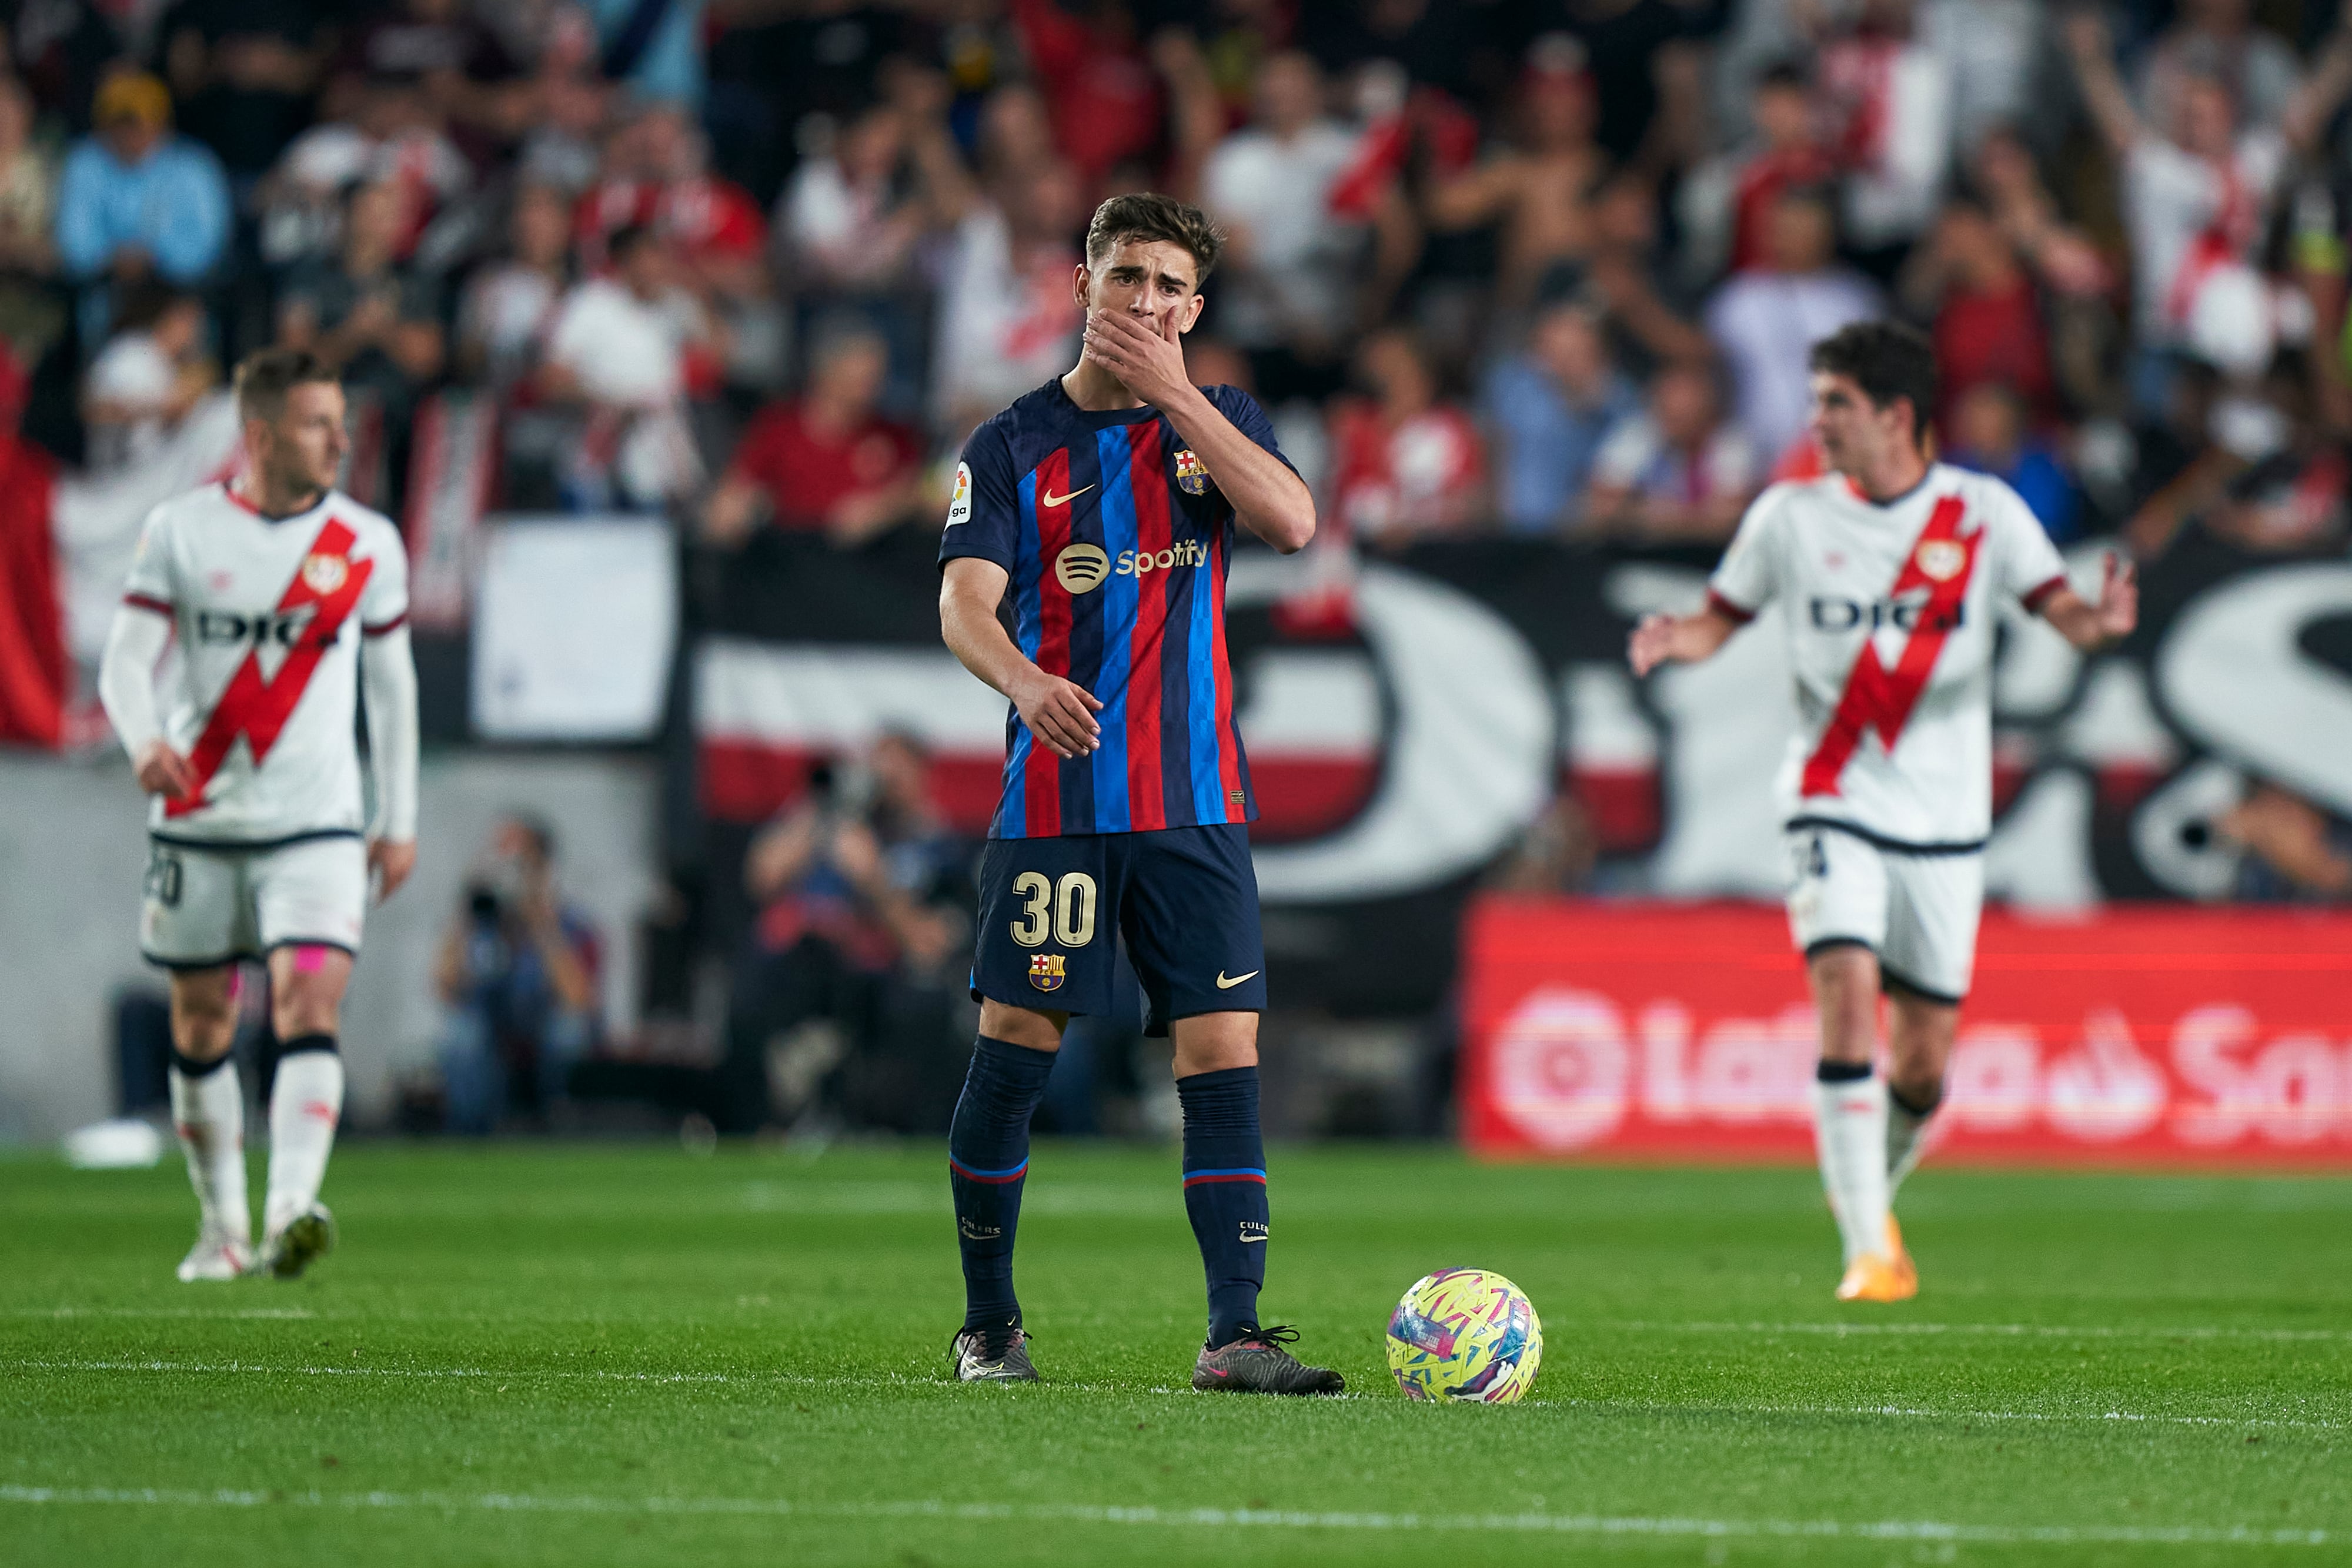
(210,906)
(1917,911)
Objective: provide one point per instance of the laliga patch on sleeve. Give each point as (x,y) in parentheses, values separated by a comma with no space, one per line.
(959,505)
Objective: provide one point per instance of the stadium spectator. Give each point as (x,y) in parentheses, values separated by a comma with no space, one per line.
(824,462)
(1677,469)
(519,971)
(1101,91)
(395,136)
(2219,41)
(1632,273)
(1286,278)
(245,73)
(1406,462)
(146,379)
(2196,200)
(1551,408)
(1008,318)
(1989,431)
(1987,326)
(864,898)
(1786,151)
(849,221)
(656,174)
(30,320)
(375,320)
(654,51)
(1765,320)
(137,201)
(2292,851)
(509,305)
(460,65)
(627,347)
(1538,189)
(1890,102)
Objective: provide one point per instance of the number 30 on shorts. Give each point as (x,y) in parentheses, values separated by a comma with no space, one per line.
(1066,912)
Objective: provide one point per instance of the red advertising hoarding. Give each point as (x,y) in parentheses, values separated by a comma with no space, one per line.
(2149,1035)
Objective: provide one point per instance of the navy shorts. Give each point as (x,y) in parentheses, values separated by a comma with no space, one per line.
(1185,899)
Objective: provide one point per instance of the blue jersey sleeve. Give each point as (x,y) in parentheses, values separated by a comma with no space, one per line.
(984,516)
(1249,419)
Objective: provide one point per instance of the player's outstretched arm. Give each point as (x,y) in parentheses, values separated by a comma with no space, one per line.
(388,680)
(126,686)
(2091,627)
(1677,639)
(1059,713)
(1267,498)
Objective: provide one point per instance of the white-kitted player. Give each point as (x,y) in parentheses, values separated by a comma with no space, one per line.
(286,598)
(1888,573)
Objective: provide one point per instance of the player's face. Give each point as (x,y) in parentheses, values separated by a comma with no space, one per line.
(1852,432)
(1150,279)
(303,449)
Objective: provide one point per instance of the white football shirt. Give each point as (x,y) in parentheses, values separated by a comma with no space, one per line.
(1890,615)
(267,614)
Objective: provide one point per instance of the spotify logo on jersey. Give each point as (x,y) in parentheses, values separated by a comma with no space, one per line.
(1081,568)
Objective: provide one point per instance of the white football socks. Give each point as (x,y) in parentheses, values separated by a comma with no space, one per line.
(208,1112)
(1907,1140)
(1849,1135)
(304,1106)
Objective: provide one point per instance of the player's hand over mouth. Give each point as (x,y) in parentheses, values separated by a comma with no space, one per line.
(1061,713)
(1150,362)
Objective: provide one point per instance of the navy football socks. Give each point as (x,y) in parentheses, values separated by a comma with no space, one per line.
(988,1154)
(1224,1194)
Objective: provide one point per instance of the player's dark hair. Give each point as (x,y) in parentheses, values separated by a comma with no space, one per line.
(265,377)
(1148,215)
(1887,361)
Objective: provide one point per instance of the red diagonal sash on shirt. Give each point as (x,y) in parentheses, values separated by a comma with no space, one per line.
(1882,699)
(258,708)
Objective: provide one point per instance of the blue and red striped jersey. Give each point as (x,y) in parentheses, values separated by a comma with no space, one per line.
(1118,545)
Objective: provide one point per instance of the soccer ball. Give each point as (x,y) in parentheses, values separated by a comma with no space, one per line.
(1465,1334)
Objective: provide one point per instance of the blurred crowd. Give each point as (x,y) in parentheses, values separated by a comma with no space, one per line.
(1530,265)
(1536,268)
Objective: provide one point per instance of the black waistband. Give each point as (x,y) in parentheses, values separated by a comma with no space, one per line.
(1880,842)
(249,846)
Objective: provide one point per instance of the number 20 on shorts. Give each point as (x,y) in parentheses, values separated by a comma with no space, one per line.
(1065,911)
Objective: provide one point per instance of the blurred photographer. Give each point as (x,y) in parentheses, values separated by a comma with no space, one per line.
(518,970)
(848,993)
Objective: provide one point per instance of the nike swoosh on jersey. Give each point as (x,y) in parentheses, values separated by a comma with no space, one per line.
(1225,985)
(1051,499)
(1253,1240)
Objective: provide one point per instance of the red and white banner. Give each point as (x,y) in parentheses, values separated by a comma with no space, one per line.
(2142,1034)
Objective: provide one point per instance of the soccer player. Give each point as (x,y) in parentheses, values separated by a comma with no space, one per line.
(1888,571)
(286,598)
(1103,502)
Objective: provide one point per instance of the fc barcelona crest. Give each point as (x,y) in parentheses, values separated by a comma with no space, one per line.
(1191,476)
(1045,971)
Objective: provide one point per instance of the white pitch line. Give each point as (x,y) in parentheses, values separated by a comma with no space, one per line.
(286,1314)
(1999,1331)
(476,1373)
(1919,1413)
(1194,1518)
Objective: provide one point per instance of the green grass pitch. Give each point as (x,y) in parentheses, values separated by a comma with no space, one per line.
(576,1355)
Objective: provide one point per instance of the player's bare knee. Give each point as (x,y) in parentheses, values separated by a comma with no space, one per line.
(1214,1043)
(1845,980)
(1025,1027)
(203,1014)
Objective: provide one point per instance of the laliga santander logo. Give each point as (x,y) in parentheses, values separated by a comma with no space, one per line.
(1561,1069)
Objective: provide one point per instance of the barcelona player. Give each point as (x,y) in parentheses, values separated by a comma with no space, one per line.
(1104,505)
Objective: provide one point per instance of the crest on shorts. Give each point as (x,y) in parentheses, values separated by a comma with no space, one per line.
(322,574)
(1045,971)
(1191,476)
(1940,560)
